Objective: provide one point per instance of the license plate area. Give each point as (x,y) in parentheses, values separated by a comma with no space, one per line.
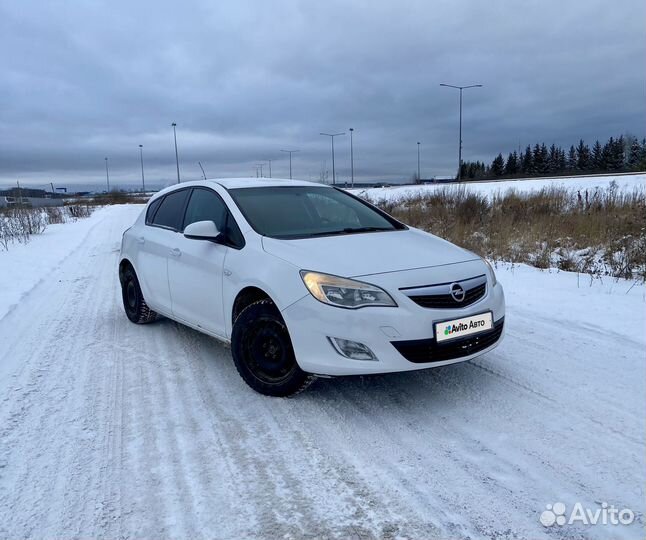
(462,327)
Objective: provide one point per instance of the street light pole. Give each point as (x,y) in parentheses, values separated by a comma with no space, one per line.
(269,167)
(176,154)
(332,135)
(141,157)
(290,152)
(460,88)
(419,176)
(107,174)
(351,157)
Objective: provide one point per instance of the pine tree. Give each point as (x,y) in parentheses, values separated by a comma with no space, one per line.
(571,159)
(562,161)
(527,163)
(606,154)
(619,159)
(553,159)
(498,165)
(597,156)
(543,166)
(634,156)
(613,154)
(537,159)
(582,156)
(511,167)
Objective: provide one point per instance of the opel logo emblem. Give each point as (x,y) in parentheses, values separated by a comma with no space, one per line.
(457,292)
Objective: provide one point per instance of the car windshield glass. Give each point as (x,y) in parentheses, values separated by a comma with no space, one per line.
(305,212)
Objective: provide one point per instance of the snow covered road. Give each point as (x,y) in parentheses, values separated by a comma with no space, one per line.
(121,431)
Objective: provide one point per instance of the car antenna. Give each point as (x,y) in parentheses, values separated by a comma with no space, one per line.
(203,173)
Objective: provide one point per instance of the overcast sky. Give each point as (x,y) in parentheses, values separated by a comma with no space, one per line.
(244,79)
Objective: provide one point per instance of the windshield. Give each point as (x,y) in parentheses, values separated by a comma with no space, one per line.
(308,211)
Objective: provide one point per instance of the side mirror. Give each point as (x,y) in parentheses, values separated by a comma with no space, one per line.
(203,230)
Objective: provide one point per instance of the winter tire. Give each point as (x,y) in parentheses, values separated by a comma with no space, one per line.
(263,353)
(133,300)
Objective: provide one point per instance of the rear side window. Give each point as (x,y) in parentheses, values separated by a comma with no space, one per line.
(171,210)
(152,208)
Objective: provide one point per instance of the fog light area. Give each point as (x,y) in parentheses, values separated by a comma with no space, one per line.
(352,349)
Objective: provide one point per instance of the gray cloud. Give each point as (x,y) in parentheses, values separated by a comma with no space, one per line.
(85,80)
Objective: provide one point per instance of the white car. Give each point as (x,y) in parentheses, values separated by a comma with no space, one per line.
(305,279)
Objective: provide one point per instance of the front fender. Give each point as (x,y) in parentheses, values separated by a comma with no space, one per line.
(279,279)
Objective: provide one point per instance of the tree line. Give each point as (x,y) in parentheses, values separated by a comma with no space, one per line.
(621,154)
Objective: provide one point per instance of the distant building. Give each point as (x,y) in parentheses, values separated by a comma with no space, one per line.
(27,197)
(373,184)
(28,202)
(25,192)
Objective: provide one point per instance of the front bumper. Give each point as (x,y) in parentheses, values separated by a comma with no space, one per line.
(310,322)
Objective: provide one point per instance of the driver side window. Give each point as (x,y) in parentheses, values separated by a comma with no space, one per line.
(204,205)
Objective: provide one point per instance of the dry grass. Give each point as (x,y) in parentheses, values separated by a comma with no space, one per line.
(17,225)
(599,232)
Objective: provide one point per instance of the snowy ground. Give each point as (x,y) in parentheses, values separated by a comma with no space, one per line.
(121,431)
(624,182)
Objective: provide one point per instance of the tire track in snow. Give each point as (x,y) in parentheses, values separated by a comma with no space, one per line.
(58,344)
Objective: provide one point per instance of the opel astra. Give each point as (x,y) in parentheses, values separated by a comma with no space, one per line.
(306,280)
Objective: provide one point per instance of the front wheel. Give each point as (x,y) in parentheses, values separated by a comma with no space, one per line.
(263,353)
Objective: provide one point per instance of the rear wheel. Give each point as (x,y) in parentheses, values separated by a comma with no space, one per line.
(133,300)
(263,353)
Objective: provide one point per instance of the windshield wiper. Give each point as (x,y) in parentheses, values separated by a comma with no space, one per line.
(347,230)
(337,232)
(350,230)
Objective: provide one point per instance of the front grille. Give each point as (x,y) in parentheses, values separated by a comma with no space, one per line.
(440,301)
(428,350)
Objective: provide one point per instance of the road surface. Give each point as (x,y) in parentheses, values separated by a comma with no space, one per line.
(113,430)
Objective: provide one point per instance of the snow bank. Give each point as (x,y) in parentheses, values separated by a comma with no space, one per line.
(602,304)
(624,182)
(23,266)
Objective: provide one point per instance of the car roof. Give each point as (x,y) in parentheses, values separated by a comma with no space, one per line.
(235,183)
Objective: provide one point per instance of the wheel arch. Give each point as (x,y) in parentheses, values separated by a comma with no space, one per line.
(123,265)
(245,297)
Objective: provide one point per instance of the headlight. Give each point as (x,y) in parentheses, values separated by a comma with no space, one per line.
(493,274)
(342,292)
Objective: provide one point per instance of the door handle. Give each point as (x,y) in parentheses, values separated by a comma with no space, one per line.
(141,240)
(175,252)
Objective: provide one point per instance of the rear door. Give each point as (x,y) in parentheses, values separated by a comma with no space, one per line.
(195,268)
(156,241)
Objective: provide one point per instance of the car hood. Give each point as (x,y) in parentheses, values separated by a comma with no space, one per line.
(363,254)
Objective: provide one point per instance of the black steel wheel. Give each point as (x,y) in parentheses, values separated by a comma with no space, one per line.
(263,353)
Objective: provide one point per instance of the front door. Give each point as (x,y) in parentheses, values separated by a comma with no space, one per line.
(195,267)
